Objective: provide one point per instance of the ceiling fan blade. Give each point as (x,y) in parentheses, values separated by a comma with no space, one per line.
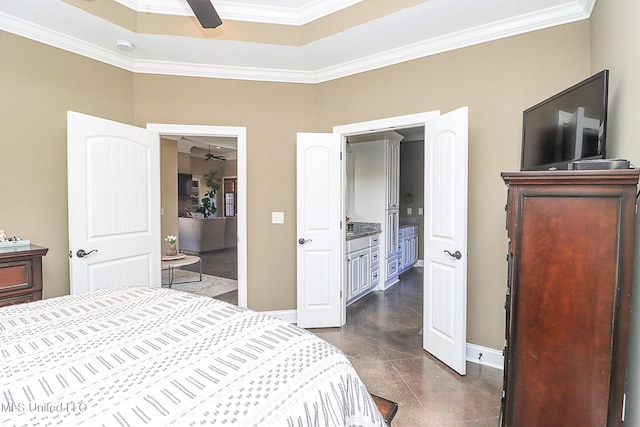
(205,12)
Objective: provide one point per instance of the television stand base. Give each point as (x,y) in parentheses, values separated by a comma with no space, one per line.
(597,164)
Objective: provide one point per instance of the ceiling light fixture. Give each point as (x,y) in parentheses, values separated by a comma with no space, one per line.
(124,45)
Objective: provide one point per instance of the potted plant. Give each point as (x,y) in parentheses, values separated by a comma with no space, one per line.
(208,202)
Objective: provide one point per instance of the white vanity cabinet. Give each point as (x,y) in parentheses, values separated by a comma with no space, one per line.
(374,195)
(408,244)
(363,262)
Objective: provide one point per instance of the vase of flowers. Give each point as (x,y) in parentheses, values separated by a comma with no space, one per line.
(173,250)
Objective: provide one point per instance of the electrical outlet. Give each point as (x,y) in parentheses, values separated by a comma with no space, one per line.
(420,211)
(409,211)
(277,217)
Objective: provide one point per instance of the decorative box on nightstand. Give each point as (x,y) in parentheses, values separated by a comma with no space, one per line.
(21,274)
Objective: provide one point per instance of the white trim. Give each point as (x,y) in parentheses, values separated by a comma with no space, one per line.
(223,72)
(398,122)
(485,356)
(508,27)
(240,133)
(50,37)
(289,316)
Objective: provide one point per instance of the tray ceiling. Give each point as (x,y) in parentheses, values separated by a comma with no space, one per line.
(299,41)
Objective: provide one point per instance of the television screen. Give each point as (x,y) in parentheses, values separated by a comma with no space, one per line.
(185,182)
(568,126)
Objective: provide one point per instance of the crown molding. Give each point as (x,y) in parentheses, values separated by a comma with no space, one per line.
(50,37)
(509,27)
(311,11)
(223,72)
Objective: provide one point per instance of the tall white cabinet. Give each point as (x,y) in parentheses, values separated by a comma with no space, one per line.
(392,199)
(374,194)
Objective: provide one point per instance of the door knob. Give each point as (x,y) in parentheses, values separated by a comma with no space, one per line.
(456,254)
(81,253)
(303,241)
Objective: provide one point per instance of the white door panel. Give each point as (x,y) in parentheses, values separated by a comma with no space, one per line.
(114,204)
(445,274)
(320,238)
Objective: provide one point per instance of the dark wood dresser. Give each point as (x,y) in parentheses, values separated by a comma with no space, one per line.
(571,240)
(21,274)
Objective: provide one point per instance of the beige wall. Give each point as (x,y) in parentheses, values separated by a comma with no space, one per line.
(39,84)
(615,40)
(272,113)
(496,80)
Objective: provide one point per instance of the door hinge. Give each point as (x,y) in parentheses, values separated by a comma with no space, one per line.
(340,225)
(341,155)
(340,293)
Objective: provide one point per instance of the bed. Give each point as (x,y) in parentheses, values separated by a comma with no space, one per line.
(152,356)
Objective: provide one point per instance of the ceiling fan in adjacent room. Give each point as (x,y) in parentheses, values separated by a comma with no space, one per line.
(205,12)
(210,156)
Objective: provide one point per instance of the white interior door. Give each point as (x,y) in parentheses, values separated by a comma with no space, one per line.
(319,234)
(445,270)
(114,204)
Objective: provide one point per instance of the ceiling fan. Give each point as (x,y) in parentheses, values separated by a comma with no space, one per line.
(210,156)
(205,12)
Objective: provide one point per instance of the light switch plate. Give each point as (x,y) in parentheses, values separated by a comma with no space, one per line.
(420,211)
(409,211)
(277,217)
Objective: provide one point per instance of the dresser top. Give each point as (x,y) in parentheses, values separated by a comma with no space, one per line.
(22,251)
(590,177)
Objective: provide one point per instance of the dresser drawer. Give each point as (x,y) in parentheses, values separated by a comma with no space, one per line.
(16,275)
(20,298)
(21,275)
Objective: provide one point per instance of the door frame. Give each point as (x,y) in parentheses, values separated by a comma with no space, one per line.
(375,126)
(240,133)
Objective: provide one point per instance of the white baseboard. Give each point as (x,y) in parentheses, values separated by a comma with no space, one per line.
(485,356)
(289,316)
(419,263)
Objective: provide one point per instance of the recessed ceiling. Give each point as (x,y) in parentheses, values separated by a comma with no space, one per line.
(304,41)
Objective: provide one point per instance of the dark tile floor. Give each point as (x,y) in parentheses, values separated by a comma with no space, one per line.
(222,263)
(382,340)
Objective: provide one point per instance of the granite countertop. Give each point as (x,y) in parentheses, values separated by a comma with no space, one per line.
(356,230)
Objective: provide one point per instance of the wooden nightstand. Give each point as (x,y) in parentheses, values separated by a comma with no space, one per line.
(21,274)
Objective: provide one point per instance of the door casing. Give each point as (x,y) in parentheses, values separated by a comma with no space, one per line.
(240,133)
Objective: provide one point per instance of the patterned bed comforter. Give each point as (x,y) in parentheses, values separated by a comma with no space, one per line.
(148,356)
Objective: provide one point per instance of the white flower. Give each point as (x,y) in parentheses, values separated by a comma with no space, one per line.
(171,239)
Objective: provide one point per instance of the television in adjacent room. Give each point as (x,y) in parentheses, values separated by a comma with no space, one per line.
(185,184)
(569,126)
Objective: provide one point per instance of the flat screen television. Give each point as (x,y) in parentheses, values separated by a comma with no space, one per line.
(185,183)
(569,126)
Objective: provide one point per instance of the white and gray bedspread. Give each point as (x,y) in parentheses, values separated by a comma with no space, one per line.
(148,356)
